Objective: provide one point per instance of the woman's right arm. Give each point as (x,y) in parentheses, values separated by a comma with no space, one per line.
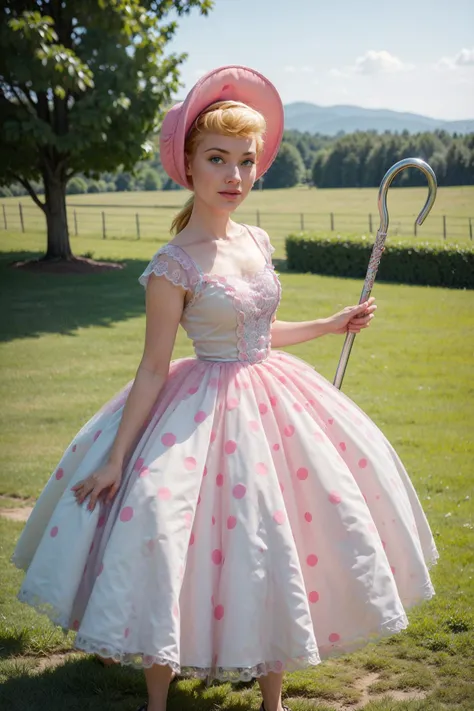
(164,307)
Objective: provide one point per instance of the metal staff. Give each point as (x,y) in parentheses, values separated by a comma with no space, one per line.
(378,247)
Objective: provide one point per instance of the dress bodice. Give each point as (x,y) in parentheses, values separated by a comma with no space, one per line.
(227,318)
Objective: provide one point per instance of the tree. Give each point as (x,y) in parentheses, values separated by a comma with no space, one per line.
(123,182)
(287,169)
(76,186)
(171,185)
(318,168)
(97,186)
(151,180)
(83,85)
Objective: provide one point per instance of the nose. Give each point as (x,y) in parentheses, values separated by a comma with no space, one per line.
(233,175)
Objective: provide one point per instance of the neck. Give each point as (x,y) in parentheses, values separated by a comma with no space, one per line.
(210,224)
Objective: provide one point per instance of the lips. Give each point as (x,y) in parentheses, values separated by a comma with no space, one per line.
(230,192)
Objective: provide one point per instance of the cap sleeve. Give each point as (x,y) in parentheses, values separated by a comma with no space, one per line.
(173,264)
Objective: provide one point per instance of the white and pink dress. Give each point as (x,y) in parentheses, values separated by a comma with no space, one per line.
(264,522)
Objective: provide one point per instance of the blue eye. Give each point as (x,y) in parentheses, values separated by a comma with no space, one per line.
(215,158)
(249,160)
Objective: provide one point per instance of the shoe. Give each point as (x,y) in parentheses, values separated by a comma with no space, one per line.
(262,708)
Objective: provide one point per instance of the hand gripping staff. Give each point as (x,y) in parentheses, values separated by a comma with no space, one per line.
(378,247)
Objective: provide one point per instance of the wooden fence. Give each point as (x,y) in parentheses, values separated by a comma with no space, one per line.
(153,222)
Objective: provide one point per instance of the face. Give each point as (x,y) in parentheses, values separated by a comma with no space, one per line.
(223,170)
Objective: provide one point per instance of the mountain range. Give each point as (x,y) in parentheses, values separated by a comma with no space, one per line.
(330,120)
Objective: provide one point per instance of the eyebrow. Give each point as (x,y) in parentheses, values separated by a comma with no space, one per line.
(221,150)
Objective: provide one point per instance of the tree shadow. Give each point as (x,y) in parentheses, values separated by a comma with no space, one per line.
(34,304)
(80,684)
(14,644)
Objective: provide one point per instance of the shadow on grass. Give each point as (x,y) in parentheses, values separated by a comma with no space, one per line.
(13,645)
(34,304)
(79,684)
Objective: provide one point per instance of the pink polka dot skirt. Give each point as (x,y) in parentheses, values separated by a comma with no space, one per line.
(263,523)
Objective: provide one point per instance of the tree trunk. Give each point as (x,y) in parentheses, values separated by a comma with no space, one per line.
(56,218)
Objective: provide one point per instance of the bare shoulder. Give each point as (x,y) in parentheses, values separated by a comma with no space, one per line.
(185,238)
(258,231)
(262,236)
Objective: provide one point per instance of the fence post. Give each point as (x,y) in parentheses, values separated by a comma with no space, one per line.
(302,221)
(21,217)
(444,226)
(470,226)
(75,223)
(370,223)
(5,217)
(137,220)
(104,236)
(258,218)
(332,222)
(416,228)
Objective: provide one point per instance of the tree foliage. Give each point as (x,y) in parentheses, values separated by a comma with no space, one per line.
(83,86)
(361,159)
(286,170)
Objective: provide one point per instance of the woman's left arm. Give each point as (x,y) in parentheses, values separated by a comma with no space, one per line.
(288,333)
(351,319)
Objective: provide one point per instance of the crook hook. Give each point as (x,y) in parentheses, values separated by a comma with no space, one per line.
(387,181)
(378,247)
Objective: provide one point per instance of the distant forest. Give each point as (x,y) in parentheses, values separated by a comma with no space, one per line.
(355,160)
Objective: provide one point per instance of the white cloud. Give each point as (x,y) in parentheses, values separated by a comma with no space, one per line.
(463,59)
(371,63)
(290,69)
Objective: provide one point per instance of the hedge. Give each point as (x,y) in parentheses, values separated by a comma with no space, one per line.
(404,262)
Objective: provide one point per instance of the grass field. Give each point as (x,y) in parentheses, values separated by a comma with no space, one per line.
(277,211)
(69,343)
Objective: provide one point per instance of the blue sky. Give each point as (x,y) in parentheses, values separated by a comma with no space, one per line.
(406,55)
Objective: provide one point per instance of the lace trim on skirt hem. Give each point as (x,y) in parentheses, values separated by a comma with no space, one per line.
(224,674)
(432,558)
(237,674)
(231,674)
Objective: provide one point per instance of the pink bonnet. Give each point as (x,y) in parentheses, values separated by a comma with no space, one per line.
(230,82)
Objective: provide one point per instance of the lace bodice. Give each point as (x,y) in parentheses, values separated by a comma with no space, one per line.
(227,318)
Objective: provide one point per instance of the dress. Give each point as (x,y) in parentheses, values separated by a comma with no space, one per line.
(263,523)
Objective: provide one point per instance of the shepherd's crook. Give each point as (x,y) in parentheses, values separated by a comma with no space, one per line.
(380,241)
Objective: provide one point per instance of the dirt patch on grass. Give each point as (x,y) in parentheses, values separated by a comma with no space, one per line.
(16,508)
(20,514)
(52,661)
(363,683)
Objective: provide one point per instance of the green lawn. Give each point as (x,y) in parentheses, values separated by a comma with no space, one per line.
(69,343)
(277,211)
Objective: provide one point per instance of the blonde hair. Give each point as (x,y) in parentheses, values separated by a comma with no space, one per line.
(229,118)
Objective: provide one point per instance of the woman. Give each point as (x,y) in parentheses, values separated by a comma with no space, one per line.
(232,515)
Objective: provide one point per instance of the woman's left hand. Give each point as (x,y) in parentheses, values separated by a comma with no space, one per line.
(353,318)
